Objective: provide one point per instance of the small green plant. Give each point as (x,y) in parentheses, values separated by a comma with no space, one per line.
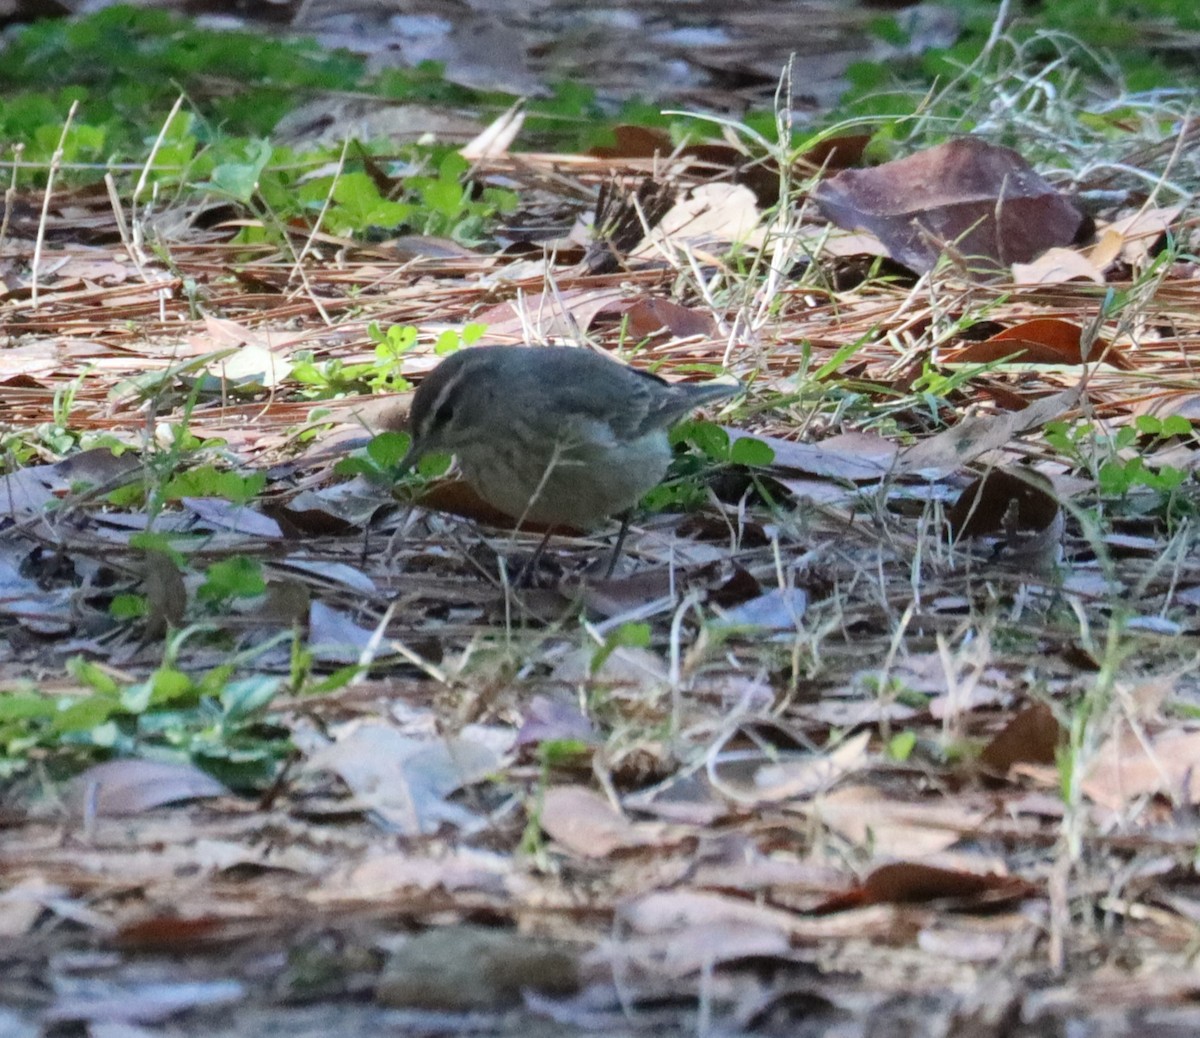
(209,481)
(684,487)
(441,203)
(380,460)
(1107,455)
(215,719)
(627,636)
(381,375)
(237,577)
(901,745)
(450,340)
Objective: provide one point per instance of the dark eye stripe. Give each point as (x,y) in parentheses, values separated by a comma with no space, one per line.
(442,408)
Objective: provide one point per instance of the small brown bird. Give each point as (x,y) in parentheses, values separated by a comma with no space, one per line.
(556,435)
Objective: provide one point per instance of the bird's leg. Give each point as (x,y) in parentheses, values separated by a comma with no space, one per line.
(626,516)
(525,574)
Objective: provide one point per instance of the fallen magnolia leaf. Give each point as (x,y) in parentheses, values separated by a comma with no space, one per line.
(1128,767)
(404,780)
(1058,266)
(906,882)
(853,456)
(131,786)
(979,201)
(977,434)
(649,316)
(1045,340)
(768,774)
(590,827)
(890,827)
(1004,502)
(1032,737)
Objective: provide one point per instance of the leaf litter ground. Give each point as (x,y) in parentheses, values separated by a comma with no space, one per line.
(892,730)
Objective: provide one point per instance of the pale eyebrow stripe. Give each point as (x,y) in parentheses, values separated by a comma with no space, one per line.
(449,388)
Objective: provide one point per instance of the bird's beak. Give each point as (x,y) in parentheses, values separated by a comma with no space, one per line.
(415,450)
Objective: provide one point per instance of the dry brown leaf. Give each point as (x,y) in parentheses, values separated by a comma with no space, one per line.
(1140,231)
(906,882)
(854,456)
(148,1002)
(976,435)
(389,874)
(23,903)
(538,316)
(218,513)
(649,316)
(1057,267)
(971,943)
(587,825)
(771,775)
(1128,767)
(1004,501)
(1046,340)
(893,828)
(406,781)
(1032,737)
(711,216)
(690,949)
(631,666)
(129,787)
(779,609)
(495,140)
(976,200)
(673,911)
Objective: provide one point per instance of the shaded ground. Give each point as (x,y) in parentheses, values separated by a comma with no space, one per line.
(710,55)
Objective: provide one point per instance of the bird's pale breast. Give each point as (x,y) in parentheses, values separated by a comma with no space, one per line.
(576,485)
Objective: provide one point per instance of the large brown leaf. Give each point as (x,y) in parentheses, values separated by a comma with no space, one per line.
(983,203)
